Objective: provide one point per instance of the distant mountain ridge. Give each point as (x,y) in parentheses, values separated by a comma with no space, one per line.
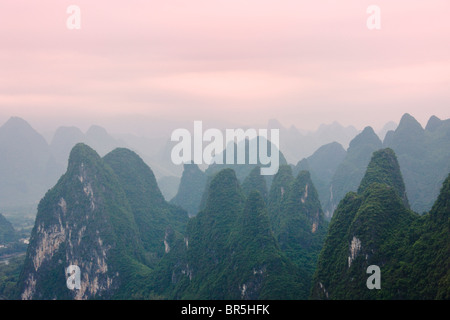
(422,153)
(351,170)
(248,236)
(296,145)
(424,158)
(27,167)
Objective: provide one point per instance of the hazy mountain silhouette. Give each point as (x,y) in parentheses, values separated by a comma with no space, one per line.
(390,126)
(169,186)
(64,139)
(424,158)
(191,188)
(297,145)
(27,167)
(348,175)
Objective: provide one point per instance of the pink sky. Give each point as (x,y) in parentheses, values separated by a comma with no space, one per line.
(302,62)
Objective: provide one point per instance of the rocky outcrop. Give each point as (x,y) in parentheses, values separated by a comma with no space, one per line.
(76,225)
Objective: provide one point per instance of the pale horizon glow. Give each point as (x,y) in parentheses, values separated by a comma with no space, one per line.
(303,63)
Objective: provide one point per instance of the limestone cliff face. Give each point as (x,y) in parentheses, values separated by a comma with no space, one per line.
(63,238)
(83,221)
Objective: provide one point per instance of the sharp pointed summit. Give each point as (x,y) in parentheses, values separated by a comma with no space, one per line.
(384,168)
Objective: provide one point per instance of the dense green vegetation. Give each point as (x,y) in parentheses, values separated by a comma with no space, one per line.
(90,212)
(377,220)
(9,276)
(428,257)
(280,185)
(375,227)
(302,226)
(229,251)
(208,235)
(297,218)
(255,181)
(260,265)
(109,217)
(384,168)
(154,217)
(11,243)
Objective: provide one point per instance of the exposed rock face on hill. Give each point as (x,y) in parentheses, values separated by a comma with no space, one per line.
(87,220)
(375,227)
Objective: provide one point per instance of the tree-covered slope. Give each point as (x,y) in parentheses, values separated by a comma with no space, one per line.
(373,233)
(85,220)
(301,228)
(429,254)
(297,218)
(229,252)
(261,269)
(278,191)
(208,235)
(375,227)
(154,217)
(384,168)
(255,181)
